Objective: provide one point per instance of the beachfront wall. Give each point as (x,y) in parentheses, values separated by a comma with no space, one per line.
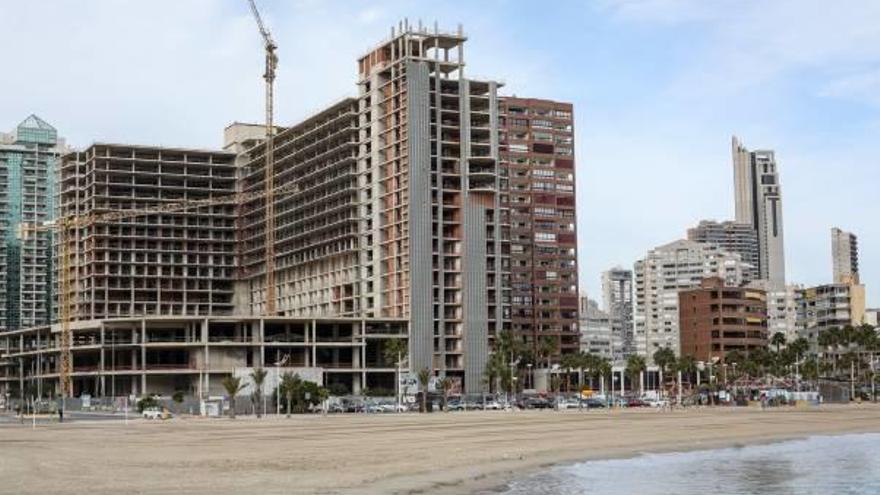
(166,355)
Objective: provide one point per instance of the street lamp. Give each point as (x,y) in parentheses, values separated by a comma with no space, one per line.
(531,377)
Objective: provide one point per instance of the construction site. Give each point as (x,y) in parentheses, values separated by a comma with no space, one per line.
(382,217)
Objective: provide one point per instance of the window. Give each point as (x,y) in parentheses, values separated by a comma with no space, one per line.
(543,124)
(545,237)
(518,148)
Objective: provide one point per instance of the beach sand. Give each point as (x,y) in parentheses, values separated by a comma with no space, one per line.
(388,453)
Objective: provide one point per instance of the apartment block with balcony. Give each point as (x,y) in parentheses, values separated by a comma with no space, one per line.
(716,319)
(538,197)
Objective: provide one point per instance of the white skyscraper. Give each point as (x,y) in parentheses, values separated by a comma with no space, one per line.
(759,203)
(661,274)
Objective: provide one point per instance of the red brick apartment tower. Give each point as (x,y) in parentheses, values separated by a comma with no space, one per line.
(537,165)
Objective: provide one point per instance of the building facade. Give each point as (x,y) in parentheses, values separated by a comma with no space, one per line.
(826,306)
(844,257)
(28,160)
(537,170)
(164,355)
(758,194)
(596,331)
(733,237)
(716,319)
(617,301)
(171,263)
(659,277)
(316,222)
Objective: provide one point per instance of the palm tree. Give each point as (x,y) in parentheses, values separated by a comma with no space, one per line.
(393,351)
(233,386)
(688,367)
(635,365)
(258,375)
(546,349)
(446,385)
(778,340)
(424,380)
(569,363)
(290,383)
(664,358)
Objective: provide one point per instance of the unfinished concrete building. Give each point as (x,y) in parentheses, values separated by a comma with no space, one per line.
(431,233)
(176,263)
(538,167)
(163,355)
(316,250)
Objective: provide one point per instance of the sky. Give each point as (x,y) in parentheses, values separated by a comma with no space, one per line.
(659,88)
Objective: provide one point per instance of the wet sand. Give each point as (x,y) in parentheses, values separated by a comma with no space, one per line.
(389,453)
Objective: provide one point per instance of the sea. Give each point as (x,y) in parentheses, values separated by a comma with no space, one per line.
(819,465)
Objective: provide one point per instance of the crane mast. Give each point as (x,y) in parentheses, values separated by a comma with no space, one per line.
(269,168)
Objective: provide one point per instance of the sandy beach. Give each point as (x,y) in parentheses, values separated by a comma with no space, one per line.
(409,453)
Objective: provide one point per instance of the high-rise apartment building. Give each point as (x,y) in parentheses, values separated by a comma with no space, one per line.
(758,196)
(172,263)
(430,212)
(596,331)
(844,257)
(716,319)
(733,237)
(617,301)
(28,157)
(665,271)
(538,196)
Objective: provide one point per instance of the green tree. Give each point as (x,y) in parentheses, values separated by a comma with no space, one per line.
(635,365)
(232,385)
(258,375)
(424,380)
(394,351)
(688,367)
(290,384)
(546,349)
(778,340)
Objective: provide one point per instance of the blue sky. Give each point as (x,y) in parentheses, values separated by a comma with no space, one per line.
(659,87)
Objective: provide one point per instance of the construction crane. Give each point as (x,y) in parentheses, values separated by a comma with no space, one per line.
(66,228)
(269,169)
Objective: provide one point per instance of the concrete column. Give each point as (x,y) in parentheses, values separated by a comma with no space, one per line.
(143,356)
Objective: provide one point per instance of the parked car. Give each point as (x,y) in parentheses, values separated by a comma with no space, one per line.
(156,413)
(535,403)
(454,405)
(493,405)
(636,403)
(658,403)
(593,403)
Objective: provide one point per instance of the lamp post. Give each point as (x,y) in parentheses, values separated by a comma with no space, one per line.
(531,380)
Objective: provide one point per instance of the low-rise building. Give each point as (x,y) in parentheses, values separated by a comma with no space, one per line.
(659,277)
(717,318)
(163,355)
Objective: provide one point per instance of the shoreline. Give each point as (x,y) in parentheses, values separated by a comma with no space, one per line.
(490,480)
(443,453)
(488,484)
